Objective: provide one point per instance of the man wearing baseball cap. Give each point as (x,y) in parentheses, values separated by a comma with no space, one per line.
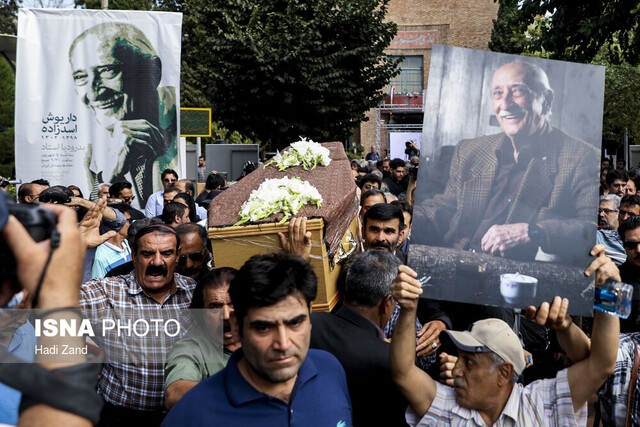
(483,388)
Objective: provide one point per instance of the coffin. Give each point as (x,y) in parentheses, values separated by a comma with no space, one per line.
(333,226)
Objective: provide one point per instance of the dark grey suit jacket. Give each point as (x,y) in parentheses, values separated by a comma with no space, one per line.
(555,193)
(354,341)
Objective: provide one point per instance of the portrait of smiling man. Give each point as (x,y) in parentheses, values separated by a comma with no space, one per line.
(525,190)
(514,192)
(273,378)
(116,73)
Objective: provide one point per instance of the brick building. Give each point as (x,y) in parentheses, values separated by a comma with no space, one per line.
(421,24)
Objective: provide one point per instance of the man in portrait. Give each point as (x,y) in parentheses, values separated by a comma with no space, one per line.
(117,74)
(522,194)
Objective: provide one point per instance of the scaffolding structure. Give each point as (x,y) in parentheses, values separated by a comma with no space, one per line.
(399,127)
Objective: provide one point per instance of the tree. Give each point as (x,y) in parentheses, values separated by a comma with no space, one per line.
(508,35)
(117,4)
(7,82)
(579,30)
(622,105)
(9,16)
(280,69)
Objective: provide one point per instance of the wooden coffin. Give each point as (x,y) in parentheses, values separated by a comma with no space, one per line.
(333,226)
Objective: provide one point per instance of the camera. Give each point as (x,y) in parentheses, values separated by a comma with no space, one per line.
(39,223)
(408,148)
(4,182)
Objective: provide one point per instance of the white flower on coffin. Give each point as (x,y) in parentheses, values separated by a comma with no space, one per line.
(286,195)
(305,153)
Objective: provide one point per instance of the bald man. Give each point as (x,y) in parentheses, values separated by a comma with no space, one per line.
(117,74)
(521,190)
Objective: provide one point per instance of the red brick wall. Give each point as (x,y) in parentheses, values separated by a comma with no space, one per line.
(462,23)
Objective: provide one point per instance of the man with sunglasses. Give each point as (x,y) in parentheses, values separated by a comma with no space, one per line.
(123,191)
(155,204)
(630,271)
(369,182)
(193,255)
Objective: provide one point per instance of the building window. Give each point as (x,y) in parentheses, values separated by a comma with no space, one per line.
(409,81)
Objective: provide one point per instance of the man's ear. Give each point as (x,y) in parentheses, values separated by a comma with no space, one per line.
(505,372)
(233,321)
(402,234)
(385,308)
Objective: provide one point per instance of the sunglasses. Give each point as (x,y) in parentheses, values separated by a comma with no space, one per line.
(126,199)
(631,244)
(195,256)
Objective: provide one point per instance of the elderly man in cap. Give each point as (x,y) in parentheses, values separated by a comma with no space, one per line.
(490,359)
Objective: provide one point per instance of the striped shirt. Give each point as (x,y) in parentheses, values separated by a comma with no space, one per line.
(614,394)
(542,403)
(612,245)
(137,384)
(109,256)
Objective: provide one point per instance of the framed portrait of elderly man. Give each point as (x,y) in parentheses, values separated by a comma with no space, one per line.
(97,98)
(507,196)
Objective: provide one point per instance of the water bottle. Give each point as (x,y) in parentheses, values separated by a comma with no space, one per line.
(613,298)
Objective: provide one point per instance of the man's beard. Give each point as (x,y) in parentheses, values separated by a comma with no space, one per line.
(605,225)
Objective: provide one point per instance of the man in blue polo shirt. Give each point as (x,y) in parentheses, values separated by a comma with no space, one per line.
(273,379)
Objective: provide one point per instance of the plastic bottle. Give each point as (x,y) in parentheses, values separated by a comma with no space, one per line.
(613,298)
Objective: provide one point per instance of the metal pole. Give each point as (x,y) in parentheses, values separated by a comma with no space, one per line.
(104,4)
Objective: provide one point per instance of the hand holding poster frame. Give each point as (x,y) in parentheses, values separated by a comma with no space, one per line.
(521,190)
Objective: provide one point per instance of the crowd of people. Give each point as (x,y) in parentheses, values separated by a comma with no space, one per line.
(384,356)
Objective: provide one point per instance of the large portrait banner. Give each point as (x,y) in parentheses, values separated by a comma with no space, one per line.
(507,195)
(97,97)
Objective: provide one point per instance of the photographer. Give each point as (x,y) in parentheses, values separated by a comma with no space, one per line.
(411,150)
(54,393)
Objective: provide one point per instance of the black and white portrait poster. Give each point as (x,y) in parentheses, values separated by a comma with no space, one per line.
(97,97)
(507,194)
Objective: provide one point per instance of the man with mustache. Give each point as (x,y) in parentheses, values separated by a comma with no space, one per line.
(273,378)
(153,290)
(117,74)
(200,353)
(607,234)
(490,359)
(617,182)
(521,190)
(382,226)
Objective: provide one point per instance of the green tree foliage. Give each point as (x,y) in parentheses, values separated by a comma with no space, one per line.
(579,30)
(9,16)
(117,4)
(621,102)
(280,69)
(508,35)
(7,91)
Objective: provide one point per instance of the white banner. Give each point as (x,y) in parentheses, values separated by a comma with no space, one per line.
(398,143)
(97,97)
